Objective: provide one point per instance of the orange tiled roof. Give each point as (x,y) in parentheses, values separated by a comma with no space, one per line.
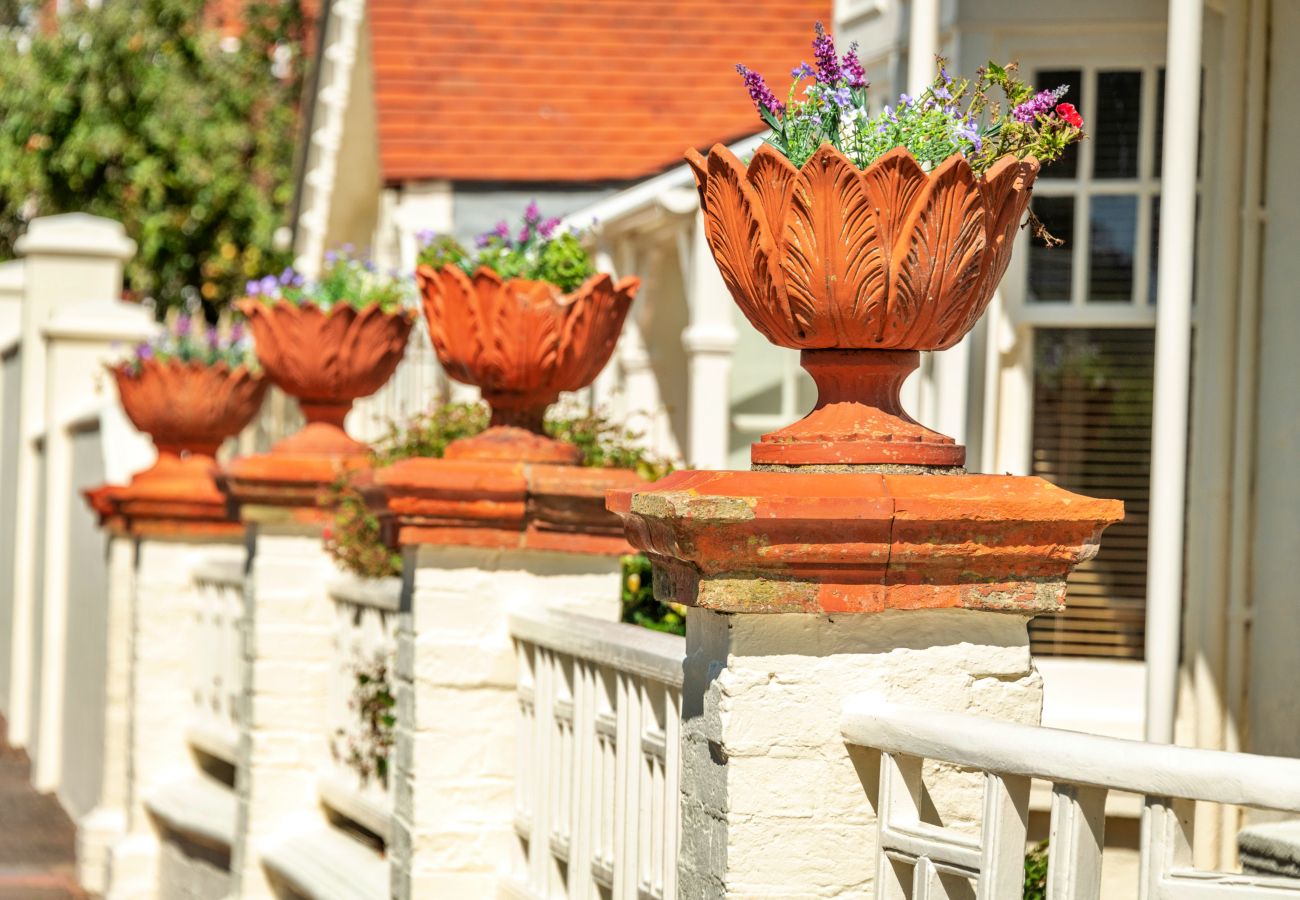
(571,90)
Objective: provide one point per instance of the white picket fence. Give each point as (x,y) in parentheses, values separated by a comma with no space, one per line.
(921,860)
(596,793)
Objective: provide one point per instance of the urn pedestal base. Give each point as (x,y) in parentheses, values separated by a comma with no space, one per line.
(859,420)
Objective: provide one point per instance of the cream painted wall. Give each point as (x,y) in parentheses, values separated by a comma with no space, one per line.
(1273,701)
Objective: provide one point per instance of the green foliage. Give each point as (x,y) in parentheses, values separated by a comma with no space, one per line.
(429,434)
(639,604)
(134,111)
(367,749)
(605,445)
(1036,872)
(828,104)
(191,339)
(346,280)
(539,252)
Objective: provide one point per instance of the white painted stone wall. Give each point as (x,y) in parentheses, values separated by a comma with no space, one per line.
(288,655)
(772,803)
(160,699)
(453,834)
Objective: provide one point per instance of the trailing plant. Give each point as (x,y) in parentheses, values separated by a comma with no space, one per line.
(1036,872)
(538,251)
(828,103)
(639,604)
(190,339)
(355,538)
(367,749)
(141,112)
(346,280)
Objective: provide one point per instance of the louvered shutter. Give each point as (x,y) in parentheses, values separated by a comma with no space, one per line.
(1092,435)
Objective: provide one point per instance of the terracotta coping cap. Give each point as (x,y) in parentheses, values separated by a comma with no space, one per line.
(281,486)
(491,503)
(793,542)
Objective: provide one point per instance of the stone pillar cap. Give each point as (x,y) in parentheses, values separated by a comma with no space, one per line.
(837,543)
(75,234)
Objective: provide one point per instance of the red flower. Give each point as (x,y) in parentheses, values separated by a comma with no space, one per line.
(1071,115)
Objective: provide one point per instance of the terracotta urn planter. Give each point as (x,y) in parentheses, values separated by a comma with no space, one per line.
(860,269)
(188,409)
(522,343)
(326,361)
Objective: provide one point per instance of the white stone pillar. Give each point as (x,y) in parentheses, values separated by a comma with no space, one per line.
(67,259)
(161,700)
(773,804)
(708,341)
(457,711)
(288,653)
(106,823)
(80,341)
(11,308)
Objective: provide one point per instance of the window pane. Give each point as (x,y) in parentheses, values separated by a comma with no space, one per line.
(1112,238)
(1050,268)
(1115,125)
(1047,79)
(1092,434)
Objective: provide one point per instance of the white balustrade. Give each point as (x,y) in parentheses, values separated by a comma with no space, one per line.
(216,659)
(920,860)
(596,791)
(356,784)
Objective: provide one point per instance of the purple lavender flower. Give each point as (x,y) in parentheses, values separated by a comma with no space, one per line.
(967,131)
(483,239)
(425,236)
(803,70)
(331,257)
(236,333)
(298,281)
(547,228)
(759,92)
(287,276)
(904,100)
(214,339)
(270,285)
(853,71)
(144,351)
(525,234)
(252,288)
(843,97)
(1040,104)
(828,64)
(532,215)
(502,230)
(183,324)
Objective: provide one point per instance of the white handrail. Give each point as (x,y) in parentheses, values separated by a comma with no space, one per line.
(1057,755)
(639,651)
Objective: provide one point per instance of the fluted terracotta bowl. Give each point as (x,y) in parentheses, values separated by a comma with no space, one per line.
(188,409)
(860,269)
(521,343)
(326,361)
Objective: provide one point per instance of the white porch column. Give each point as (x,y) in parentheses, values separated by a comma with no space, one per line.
(11,311)
(1172,365)
(708,340)
(67,259)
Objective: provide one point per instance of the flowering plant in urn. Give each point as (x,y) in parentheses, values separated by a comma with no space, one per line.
(329,342)
(523,316)
(189,389)
(862,239)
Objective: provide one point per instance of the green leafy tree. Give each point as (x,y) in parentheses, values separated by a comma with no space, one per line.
(139,112)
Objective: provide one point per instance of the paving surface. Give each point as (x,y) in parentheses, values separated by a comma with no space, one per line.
(37,839)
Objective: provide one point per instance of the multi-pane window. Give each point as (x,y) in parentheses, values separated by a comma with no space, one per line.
(1093,365)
